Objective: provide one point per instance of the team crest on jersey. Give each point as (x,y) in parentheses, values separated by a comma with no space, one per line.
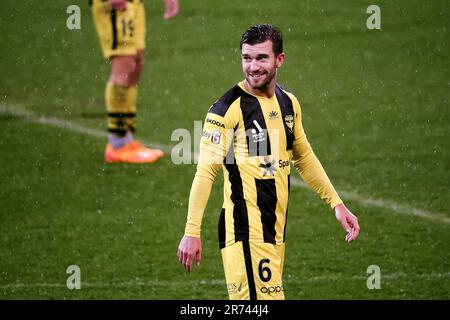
(268,167)
(289,121)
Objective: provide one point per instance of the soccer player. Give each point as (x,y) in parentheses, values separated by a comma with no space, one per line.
(120,25)
(253,132)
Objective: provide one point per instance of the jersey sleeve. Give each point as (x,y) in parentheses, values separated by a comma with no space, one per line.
(308,165)
(216,139)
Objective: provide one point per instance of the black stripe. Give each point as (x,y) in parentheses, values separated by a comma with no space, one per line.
(114,28)
(287,207)
(222,229)
(266,194)
(120,132)
(240,213)
(286,110)
(221,106)
(249,269)
(121,114)
(258,143)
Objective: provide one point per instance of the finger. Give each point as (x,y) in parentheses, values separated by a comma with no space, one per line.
(199,257)
(184,257)
(348,236)
(345,224)
(355,233)
(189,263)
(353,222)
(181,256)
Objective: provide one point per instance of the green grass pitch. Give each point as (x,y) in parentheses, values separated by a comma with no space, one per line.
(375,106)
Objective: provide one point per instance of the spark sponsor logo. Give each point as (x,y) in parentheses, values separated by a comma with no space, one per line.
(268,167)
(283,164)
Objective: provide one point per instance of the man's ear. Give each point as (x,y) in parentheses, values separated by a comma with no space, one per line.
(280,59)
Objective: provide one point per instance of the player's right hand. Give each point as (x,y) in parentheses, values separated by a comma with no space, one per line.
(189,248)
(120,5)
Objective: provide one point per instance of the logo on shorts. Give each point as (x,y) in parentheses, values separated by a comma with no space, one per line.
(272,290)
(233,288)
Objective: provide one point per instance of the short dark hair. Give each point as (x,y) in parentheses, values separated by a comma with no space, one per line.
(260,33)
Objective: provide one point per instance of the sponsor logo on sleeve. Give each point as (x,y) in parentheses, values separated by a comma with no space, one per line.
(215,122)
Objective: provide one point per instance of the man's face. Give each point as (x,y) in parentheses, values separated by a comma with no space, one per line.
(259,64)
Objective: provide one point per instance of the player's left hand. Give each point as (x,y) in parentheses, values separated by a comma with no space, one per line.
(190,248)
(348,221)
(172,7)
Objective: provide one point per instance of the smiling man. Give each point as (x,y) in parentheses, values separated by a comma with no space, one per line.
(253,132)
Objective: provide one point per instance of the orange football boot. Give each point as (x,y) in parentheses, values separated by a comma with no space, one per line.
(136,144)
(132,152)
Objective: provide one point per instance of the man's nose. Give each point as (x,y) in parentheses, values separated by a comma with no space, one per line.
(254,65)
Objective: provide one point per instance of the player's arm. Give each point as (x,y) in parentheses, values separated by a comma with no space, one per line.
(190,246)
(312,172)
(118,4)
(172,7)
(213,146)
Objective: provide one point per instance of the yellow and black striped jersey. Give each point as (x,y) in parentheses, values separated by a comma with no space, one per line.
(254,139)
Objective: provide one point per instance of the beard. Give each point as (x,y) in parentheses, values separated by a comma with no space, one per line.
(263,82)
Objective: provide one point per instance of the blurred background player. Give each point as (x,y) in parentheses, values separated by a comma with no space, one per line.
(120,25)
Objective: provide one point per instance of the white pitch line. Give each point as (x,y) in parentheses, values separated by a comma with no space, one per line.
(403,209)
(220,282)
(385,204)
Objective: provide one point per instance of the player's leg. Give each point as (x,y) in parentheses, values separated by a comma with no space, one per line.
(122,36)
(253,271)
(240,283)
(120,97)
(267,262)
(139,65)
